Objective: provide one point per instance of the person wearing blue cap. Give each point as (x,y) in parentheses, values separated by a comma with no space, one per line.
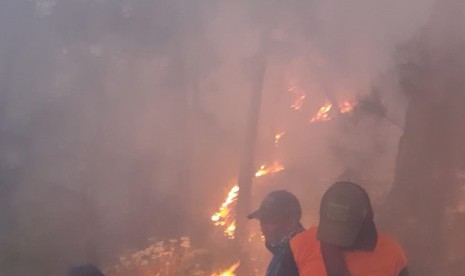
(279,215)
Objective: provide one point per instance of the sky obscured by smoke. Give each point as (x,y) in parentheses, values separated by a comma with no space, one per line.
(124,120)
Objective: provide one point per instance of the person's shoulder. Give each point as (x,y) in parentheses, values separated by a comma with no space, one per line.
(391,246)
(308,234)
(392,250)
(389,242)
(304,244)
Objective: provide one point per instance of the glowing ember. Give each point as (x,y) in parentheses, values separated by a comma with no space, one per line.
(264,170)
(278,137)
(323,113)
(299,96)
(225,217)
(228,272)
(346,107)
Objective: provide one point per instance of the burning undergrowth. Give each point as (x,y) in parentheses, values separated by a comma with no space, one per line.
(175,257)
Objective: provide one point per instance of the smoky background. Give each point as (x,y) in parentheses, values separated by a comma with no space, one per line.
(124,120)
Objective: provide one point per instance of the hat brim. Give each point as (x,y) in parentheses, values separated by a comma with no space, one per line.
(338,233)
(254,215)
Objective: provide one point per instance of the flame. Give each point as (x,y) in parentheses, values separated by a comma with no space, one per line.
(278,137)
(264,170)
(224,217)
(231,230)
(297,105)
(228,272)
(299,97)
(346,107)
(323,113)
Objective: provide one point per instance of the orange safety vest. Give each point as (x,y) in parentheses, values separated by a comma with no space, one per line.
(387,259)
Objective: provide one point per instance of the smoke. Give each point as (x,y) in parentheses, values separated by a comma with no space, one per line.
(343,52)
(124,120)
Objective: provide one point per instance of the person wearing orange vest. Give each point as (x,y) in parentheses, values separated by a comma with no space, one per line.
(346,242)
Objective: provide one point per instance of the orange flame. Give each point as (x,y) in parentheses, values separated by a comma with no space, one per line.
(231,230)
(299,97)
(323,113)
(224,216)
(346,107)
(277,138)
(264,170)
(228,272)
(297,105)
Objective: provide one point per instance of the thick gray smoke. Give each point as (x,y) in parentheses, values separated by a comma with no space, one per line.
(123,120)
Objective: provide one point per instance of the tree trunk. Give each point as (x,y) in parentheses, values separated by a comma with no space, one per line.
(431,151)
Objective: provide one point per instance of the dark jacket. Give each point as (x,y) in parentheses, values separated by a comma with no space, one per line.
(282,263)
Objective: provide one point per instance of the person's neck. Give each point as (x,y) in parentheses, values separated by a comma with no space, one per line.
(292,230)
